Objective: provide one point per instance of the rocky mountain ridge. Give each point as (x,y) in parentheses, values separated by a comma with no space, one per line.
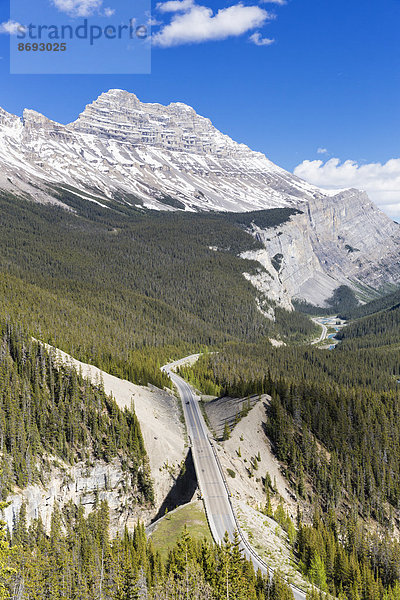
(149,156)
(159,157)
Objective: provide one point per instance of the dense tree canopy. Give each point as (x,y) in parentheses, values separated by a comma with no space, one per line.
(129,291)
(333,421)
(80,560)
(49,409)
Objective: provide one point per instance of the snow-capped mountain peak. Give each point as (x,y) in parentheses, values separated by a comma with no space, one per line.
(173,127)
(146,153)
(169,157)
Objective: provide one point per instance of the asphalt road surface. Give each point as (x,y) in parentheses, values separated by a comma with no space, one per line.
(324,333)
(212,486)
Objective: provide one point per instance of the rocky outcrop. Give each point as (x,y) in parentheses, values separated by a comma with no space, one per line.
(120,115)
(81,484)
(158,413)
(343,239)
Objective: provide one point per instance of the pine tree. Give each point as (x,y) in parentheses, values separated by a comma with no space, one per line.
(227,432)
(317,573)
(268,505)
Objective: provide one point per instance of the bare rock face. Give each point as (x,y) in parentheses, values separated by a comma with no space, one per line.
(82,485)
(120,115)
(169,157)
(120,147)
(343,239)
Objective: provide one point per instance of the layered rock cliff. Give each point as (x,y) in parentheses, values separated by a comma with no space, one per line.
(145,154)
(343,239)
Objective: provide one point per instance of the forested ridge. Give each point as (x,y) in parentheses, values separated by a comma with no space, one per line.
(380,330)
(129,291)
(347,399)
(48,410)
(333,421)
(354,412)
(347,561)
(375,306)
(339,555)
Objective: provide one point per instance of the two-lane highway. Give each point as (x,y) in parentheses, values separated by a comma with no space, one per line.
(209,477)
(215,494)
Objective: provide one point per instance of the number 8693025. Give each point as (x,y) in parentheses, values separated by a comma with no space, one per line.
(42,47)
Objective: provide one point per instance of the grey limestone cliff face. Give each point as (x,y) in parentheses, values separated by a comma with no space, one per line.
(7,120)
(343,239)
(82,485)
(120,115)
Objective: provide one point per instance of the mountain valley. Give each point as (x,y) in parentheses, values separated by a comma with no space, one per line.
(125,155)
(139,235)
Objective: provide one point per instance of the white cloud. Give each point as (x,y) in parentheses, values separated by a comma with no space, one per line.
(11,27)
(175,6)
(109,12)
(199,23)
(78,8)
(322,151)
(152,22)
(381,181)
(258,40)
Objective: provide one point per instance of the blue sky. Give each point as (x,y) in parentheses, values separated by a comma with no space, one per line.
(315,85)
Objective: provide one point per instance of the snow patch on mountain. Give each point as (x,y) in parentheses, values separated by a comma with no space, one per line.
(120,150)
(143,153)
